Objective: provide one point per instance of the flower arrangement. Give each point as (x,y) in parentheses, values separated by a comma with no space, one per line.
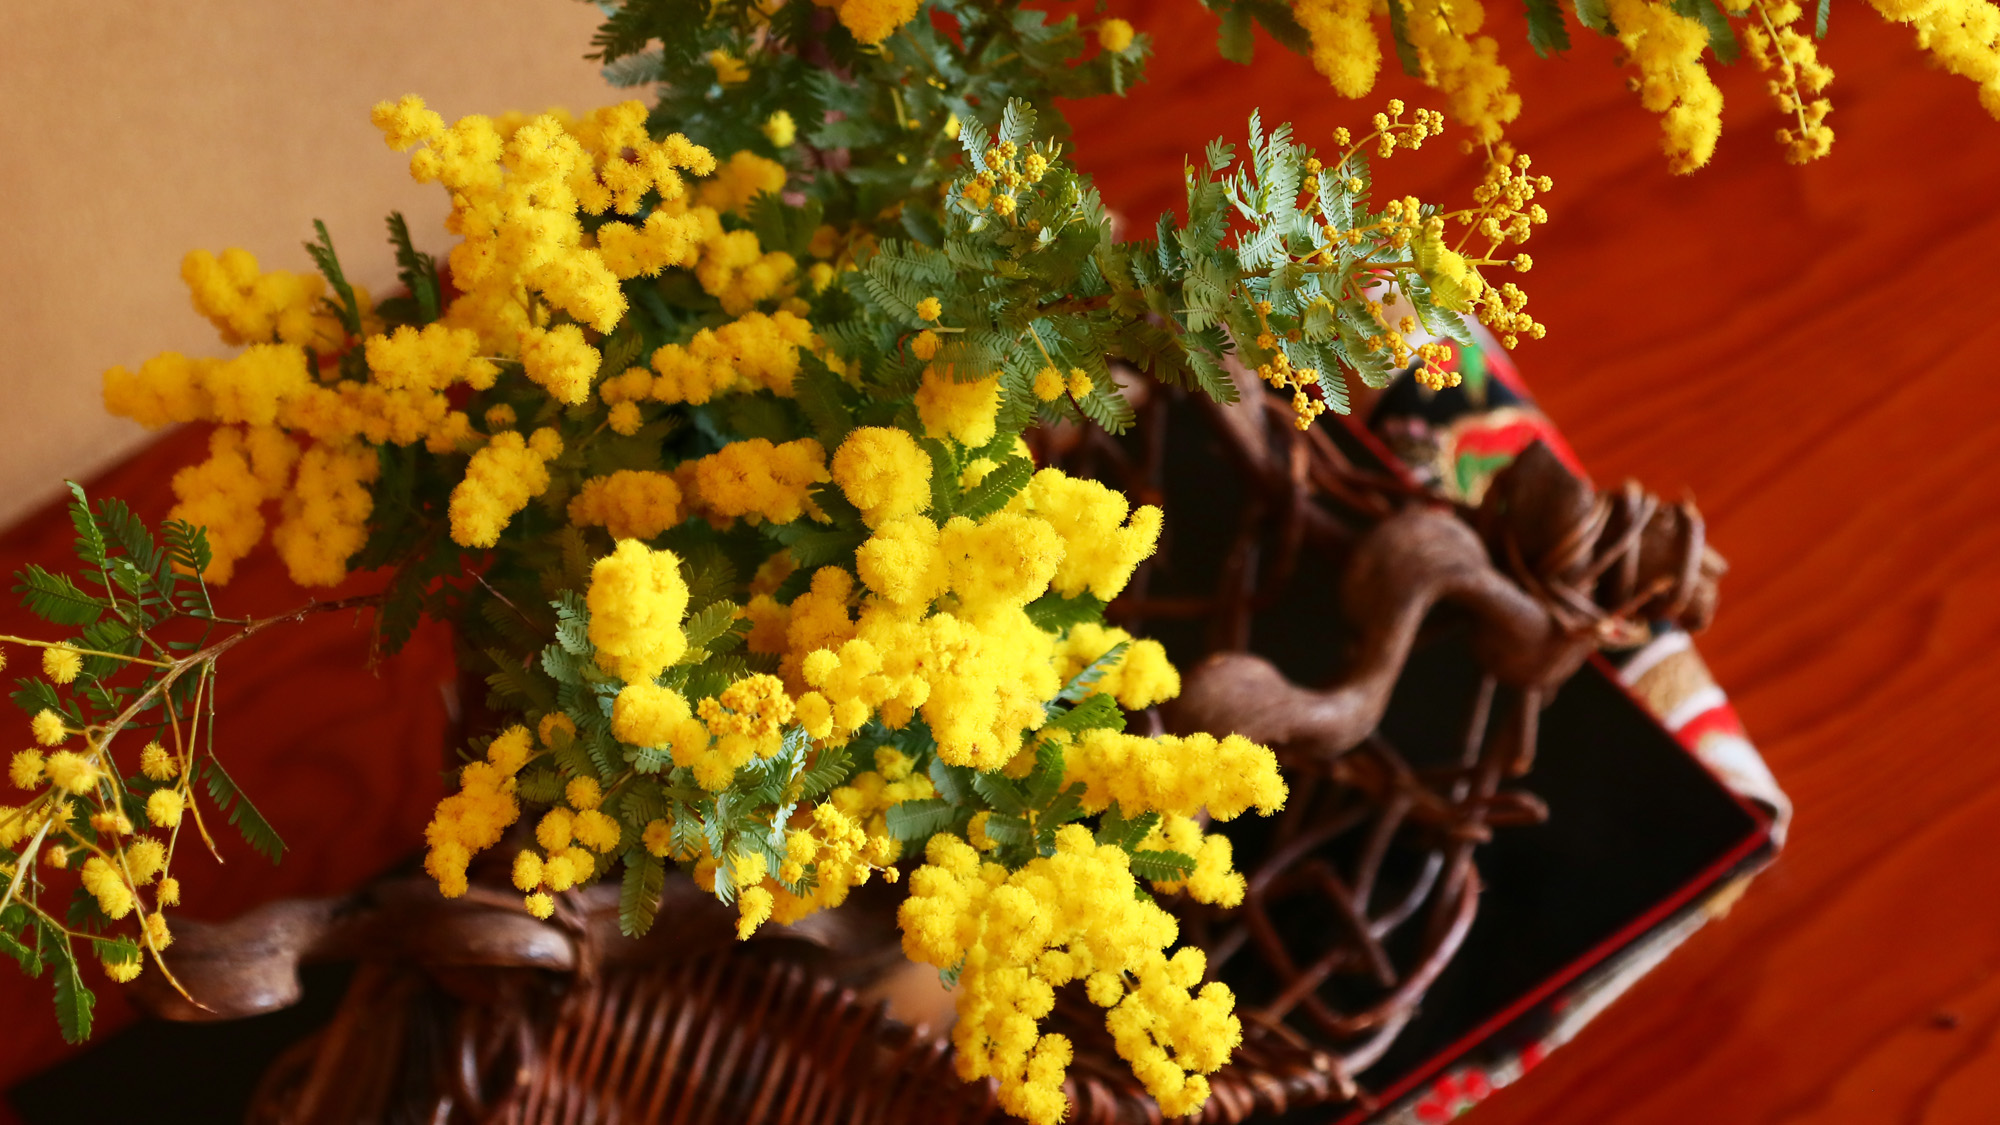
(706,439)
(1439,42)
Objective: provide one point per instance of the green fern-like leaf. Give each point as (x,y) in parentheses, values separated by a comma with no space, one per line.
(1096,712)
(639,894)
(1548,31)
(90,547)
(705,629)
(255,830)
(1001,793)
(1053,613)
(328,261)
(1114,828)
(829,769)
(74,1000)
(56,599)
(1162,866)
(1008,831)
(916,821)
(417,271)
(996,488)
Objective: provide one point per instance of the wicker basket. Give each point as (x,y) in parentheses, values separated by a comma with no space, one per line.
(1359,893)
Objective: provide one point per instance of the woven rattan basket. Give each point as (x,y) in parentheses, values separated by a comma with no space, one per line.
(1359,893)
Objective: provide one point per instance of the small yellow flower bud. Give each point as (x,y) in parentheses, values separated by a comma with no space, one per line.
(61,663)
(157,764)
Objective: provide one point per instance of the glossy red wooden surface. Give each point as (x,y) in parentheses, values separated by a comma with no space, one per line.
(1807,350)
(344,760)
(1811,352)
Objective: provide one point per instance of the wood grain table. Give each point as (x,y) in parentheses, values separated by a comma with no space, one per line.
(1809,351)
(1812,352)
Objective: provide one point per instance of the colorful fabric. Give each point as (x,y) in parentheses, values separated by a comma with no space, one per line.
(1456,440)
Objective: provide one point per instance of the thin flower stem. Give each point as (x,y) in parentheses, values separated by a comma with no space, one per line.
(33,643)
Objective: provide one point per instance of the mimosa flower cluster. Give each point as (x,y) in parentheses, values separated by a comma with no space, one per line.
(709,442)
(1440,43)
(99,817)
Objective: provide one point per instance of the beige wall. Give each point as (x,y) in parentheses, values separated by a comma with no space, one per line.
(135,130)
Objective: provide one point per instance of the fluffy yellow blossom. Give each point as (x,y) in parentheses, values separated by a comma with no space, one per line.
(1465,65)
(1002,561)
(814,714)
(729,70)
(1114,35)
(753,902)
(559,873)
(164,807)
(111,822)
(61,663)
(158,935)
(630,504)
(925,345)
(1778,48)
(554,831)
(49,728)
(477,815)
(1962,35)
(745,177)
(123,971)
(1074,915)
(511,749)
(431,358)
(407,122)
(625,418)
(628,162)
(1666,47)
(1099,554)
(527,873)
(226,493)
(901,562)
(1138,679)
(583,793)
(884,473)
(1214,879)
(326,512)
(539,904)
(1049,384)
(645,714)
(597,831)
(637,598)
(871,21)
(1175,775)
(754,478)
(663,240)
(753,351)
(156,763)
(72,772)
(779,129)
(929,309)
(499,481)
(1080,385)
(736,270)
(25,770)
(248,306)
(169,893)
(755,707)
(102,880)
(555,725)
(560,361)
(145,858)
(515,203)
(963,412)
